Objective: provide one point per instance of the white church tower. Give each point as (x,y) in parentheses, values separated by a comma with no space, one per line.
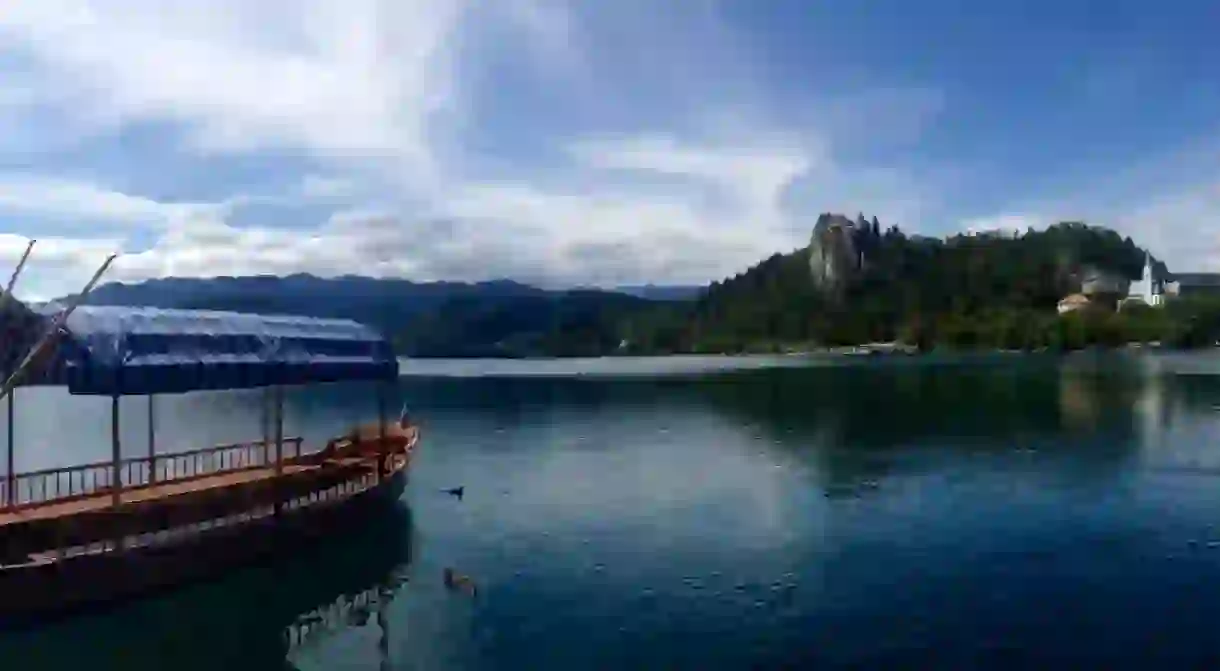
(1146,289)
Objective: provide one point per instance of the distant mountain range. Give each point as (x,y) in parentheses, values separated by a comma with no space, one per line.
(655,292)
(497,318)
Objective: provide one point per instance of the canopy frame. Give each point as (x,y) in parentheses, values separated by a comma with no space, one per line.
(126,351)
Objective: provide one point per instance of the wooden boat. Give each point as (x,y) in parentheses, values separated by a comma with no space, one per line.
(263,616)
(92,534)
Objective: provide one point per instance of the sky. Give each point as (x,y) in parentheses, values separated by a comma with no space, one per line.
(602,143)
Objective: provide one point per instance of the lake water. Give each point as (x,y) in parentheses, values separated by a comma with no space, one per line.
(708,513)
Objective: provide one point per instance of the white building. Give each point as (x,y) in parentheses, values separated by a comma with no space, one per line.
(1146,289)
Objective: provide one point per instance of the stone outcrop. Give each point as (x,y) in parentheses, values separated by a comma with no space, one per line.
(835,251)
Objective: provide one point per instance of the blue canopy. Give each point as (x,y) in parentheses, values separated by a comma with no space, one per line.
(138,351)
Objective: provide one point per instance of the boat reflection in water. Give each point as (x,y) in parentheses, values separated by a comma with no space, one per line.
(260,617)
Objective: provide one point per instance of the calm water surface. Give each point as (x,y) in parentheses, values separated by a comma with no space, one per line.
(675,514)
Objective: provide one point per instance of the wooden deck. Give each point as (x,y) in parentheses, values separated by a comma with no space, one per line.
(104,500)
(51,585)
(57,485)
(153,512)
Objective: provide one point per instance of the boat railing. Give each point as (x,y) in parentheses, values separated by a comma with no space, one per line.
(348,610)
(71,482)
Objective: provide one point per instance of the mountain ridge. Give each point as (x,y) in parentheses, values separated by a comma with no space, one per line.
(502,318)
(855,282)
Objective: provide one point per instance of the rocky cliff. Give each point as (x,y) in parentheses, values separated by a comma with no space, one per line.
(832,250)
(839,249)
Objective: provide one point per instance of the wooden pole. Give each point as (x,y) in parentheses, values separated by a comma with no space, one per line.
(12,280)
(265,419)
(279,431)
(152,439)
(382,389)
(383,641)
(116,484)
(279,445)
(11,490)
(52,333)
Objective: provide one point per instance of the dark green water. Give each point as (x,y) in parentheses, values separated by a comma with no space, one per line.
(1008,512)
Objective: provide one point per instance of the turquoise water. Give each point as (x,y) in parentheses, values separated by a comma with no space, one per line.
(709,513)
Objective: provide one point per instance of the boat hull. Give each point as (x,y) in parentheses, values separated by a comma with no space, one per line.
(38,592)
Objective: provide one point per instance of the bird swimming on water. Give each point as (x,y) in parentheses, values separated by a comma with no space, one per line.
(456,491)
(457,581)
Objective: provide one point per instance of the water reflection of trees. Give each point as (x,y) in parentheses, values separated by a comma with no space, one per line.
(867,406)
(1192,393)
(254,618)
(860,421)
(861,424)
(883,407)
(1009,397)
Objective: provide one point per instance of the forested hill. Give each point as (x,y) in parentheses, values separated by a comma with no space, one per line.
(889,285)
(389,304)
(856,282)
(427,319)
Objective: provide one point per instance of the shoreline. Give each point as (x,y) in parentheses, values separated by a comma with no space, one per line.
(870,350)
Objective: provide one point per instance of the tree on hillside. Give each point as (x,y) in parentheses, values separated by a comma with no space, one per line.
(961,290)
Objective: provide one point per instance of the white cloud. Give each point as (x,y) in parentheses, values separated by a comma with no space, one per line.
(57,266)
(1182,225)
(485,231)
(345,79)
(1168,203)
(754,175)
(380,99)
(368,89)
(1014,224)
(87,203)
(322,187)
(558,237)
(551,27)
(57,252)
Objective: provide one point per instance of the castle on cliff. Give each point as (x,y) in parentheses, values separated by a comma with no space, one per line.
(840,248)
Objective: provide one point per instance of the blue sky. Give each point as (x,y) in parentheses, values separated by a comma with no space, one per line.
(563,142)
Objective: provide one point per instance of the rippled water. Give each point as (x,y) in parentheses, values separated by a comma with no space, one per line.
(969,513)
